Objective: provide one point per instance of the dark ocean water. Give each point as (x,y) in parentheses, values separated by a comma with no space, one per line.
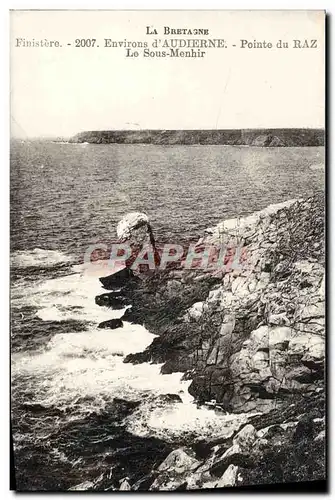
(67,196)
(78,412)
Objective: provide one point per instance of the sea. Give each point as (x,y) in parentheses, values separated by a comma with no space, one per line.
(81,418)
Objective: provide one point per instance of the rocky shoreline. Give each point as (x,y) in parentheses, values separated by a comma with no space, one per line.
(252,341)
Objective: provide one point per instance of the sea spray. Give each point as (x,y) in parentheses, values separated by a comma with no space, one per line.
(83,371)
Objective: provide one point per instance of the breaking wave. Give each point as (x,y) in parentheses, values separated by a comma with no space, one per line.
(76,366)
(69,386)
(39,258)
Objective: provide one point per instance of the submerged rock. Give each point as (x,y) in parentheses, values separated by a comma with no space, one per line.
(124,484)
(111,323)
(251,340)
(179,461)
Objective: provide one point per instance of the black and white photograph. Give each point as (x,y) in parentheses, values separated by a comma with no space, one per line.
(167,250)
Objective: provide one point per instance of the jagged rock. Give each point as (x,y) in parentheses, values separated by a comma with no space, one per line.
(174,471)
(234,455)
(279,337)
(179,461)
(321,436)
(304,429)
(240,286)
(197,480)
(229,477)
(307,312)
(307,347)
(234,450)
(253,337)
(195,312)
(278,319)
(321,290)
(173,288)
(118,279)
(124,484)
(259,446)
(274,434)
(228,325)
(131,317)
(245,437)
(86,485)
(112,299)
(169,398)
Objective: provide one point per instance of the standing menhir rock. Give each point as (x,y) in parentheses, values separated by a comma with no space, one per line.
(135,229)
(129,224)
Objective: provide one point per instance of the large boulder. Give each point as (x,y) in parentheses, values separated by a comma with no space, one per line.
(111,323)
(119,279)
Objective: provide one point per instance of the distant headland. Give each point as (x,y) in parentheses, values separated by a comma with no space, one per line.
(279,137)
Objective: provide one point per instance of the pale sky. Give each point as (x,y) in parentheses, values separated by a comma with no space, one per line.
(65,90)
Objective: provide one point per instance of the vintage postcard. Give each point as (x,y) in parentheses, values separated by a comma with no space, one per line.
(167,250)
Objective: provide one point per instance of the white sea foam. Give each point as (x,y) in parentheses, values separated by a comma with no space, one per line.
(87,364)
(185,419)
(84,371)
(38,258)
(65,298)
(90,365)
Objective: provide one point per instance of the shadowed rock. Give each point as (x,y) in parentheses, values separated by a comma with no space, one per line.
(112,324)
(252,338)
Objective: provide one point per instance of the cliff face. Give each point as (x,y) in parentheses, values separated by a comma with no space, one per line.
(252,342)
(252,137)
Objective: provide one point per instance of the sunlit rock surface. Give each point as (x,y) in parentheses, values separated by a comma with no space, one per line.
(252,341)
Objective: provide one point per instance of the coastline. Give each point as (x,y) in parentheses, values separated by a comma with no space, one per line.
(234,137)
(252,343)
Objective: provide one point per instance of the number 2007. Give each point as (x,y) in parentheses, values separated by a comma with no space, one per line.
(85,42)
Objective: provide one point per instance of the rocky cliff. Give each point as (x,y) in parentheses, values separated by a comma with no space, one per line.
(251,340)
(253,336)
(249,137)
